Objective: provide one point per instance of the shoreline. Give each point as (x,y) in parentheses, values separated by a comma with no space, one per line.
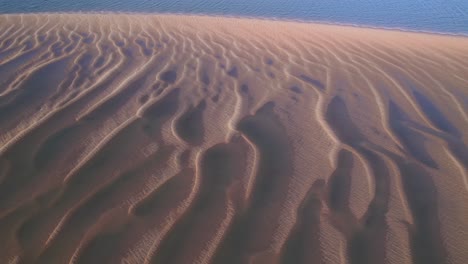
(258,18)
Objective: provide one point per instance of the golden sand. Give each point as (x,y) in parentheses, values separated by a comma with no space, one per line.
(189,139)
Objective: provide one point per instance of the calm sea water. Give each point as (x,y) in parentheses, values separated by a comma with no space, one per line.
(447,16)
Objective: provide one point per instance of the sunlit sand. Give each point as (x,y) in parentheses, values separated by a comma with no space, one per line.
(190,139)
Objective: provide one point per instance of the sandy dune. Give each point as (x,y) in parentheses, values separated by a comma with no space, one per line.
(176,139)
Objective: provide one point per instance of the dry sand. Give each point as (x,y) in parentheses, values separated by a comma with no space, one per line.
(184,139)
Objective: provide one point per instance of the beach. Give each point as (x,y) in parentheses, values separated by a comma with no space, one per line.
(138,138)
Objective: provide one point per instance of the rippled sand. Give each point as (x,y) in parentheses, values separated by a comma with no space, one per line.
(176,139)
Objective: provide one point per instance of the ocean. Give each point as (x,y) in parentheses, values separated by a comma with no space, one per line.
(444,16)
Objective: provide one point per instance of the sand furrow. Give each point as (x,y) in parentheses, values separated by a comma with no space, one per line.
(425,237)
(190,235)
(79,218)
(303,245)
(189,127)
(241,243)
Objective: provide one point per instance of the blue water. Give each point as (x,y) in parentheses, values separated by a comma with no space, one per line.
(445,16)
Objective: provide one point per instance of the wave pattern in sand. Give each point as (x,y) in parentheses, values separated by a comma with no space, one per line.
(172,139)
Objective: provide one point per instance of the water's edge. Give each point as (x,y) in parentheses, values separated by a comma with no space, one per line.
(264,18)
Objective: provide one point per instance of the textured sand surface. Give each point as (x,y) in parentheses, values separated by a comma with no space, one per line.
(177,139)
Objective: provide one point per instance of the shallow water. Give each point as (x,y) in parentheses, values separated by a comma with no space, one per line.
(447,16)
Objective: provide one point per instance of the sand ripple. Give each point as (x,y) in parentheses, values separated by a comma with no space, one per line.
(180,139)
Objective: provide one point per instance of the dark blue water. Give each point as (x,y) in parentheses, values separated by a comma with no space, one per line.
(446,16)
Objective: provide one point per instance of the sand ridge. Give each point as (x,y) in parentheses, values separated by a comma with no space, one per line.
(131,138)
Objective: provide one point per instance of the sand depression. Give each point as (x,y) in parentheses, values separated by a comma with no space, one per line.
(184,139)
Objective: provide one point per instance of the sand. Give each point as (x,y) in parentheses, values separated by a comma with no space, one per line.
(192,139)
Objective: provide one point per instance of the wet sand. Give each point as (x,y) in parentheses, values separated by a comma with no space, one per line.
(191,139)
